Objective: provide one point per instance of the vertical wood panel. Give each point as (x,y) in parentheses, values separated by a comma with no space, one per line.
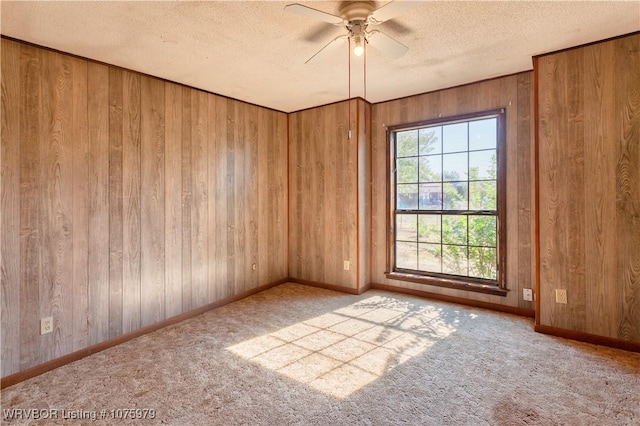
(240,185)
(524,158)
(80,205)
(627,58)
(574,188)
(152,201)
(265,186)
(221,225)
(109,220)
(279,179)
(295,185)
(98,261)
(318,150)
(187,200)
(213,131)
(600,163)
(251,198)
(229,196)
(115,203)
(173,199)
(508,90)
(550,174)
(131,202)
(332,204)
(199,231)
(364,193)
(324,195)
(10,196)
(30,237)
(56,192)
(349,191)
(379,160)
(49,176)
(589,133)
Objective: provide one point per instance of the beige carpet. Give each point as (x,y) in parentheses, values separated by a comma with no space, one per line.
(302,355)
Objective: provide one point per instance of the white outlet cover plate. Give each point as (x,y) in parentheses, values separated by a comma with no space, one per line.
(527,294)
(46,325)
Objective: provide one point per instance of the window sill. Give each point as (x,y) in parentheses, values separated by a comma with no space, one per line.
(448,283)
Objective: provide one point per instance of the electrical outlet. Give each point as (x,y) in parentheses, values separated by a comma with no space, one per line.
(527,294)
(347,265)
(46,325)
(561,296)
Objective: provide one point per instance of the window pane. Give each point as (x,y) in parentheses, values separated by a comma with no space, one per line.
(454,229)
(430,140)
(455,195)
(454,137)
(482,164)
(431,168)
(407,227)
(407,197)
(483,133)
(448,173)
(431,196)
(482,231)
(455,166)
(430,257)
(454,260)
(407,255)
(482,195)
(407,170)
(483,262)
(429,228)
(407,143)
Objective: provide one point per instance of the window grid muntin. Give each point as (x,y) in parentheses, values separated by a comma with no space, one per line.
(444,212)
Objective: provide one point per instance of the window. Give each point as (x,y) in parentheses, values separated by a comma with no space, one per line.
(447,202)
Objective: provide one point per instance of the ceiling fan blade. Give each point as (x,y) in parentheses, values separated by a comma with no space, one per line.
(387,45)
(298,9)
(332,46)
(391,10)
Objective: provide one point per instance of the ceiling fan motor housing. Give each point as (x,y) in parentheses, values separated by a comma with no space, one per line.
(354,11)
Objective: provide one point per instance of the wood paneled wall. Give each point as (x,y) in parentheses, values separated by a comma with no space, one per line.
(589,193)
(127,200)
(326,194)
(514,93)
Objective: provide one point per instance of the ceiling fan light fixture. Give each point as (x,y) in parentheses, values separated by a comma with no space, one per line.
(358,50)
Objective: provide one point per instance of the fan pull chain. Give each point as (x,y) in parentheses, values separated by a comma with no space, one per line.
(365,86)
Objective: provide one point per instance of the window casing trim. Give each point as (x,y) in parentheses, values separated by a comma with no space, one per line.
(480,285)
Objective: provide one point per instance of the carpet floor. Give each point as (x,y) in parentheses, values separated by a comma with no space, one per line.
(298,355)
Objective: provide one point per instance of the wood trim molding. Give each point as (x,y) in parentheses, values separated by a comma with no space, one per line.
(536,191)
(95,61)
(326,286)
(356,98)
(442,279)
(99,347)
(580,46)
(524,312)
(462,284)
(588,338)
(358,179)
(288,196)
(451,87)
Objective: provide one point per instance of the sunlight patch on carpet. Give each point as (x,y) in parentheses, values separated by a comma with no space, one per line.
(342,351)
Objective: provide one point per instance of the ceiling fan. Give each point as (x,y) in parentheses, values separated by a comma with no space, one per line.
(357,17)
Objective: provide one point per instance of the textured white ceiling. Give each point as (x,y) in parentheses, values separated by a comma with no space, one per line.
(255,51)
